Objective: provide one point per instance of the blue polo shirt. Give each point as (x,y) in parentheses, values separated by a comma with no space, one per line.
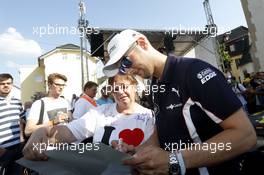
(102,101)
(192,100)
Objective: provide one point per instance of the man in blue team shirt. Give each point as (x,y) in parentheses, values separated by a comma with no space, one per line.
(200,124)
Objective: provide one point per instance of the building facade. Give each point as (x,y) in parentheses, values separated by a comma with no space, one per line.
(253,10)
(238,45)
(65,60)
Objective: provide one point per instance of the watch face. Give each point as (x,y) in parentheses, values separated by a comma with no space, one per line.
(174,169)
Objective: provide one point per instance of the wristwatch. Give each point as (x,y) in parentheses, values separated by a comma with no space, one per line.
(174,166)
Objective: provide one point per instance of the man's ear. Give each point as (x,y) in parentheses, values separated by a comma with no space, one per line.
(142,42)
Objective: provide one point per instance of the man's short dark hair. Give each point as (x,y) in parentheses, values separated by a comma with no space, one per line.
(6,76)
(89,85)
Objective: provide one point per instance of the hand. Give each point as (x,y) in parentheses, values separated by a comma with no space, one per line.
(125,148)
(38,143)
(63,117)
(149,160)
(60,118)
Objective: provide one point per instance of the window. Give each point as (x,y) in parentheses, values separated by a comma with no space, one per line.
(232,48)
(64,56)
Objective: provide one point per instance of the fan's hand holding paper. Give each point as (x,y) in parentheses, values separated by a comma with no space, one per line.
(102,159)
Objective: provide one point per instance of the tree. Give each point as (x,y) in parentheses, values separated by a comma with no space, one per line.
(37,96)
(225,56)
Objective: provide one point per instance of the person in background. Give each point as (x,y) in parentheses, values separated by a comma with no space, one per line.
(239,90)
(86,100)
(259,90)
(73,101)
(11,128)
(105,98)
(50,110)
(27,106)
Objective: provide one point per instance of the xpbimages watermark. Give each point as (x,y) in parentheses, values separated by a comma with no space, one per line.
(81,147)
(182,30)
(147,88)
(63,30)
(212,147)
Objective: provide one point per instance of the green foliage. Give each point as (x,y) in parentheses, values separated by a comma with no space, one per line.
(224,56)
(223,53)
(38,95)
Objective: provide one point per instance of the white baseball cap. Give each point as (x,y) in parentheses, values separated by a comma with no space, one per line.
(116,49)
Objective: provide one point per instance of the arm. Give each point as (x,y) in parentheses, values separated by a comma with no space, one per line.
(75,130)
(238,131)
(215,96)
(22,124)
(33,118)
(69,114)
(22,129)
(39,140)
(32,126)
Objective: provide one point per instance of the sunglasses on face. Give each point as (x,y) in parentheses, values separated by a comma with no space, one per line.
(125,64)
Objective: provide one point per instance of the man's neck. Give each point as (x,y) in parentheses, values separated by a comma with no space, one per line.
(88,95)
(104,98)
(159,64)
(2,96)
(53,97)
(6,96)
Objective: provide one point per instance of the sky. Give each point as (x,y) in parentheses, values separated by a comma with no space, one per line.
(28,28)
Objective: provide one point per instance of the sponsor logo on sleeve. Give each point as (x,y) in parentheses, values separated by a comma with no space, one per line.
(205,75)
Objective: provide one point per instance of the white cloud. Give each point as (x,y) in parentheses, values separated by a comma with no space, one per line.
(13,43)
(11,64)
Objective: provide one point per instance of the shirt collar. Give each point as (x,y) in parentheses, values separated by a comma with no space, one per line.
(9,96)
(168,70)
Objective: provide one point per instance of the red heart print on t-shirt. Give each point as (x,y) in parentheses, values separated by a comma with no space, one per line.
(132,137)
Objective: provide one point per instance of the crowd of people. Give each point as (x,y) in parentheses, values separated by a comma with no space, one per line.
(193,122)
(250,92)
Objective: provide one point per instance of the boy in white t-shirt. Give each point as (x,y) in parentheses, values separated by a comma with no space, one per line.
(124,119)
(50,110)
